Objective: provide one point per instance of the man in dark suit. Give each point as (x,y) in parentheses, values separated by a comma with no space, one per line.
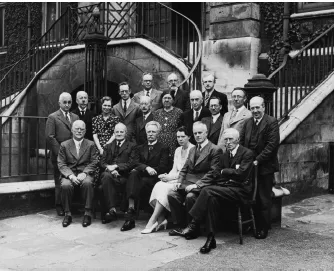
(209,83)
(57,130)
(261,134)
(154,94)
(232,186)
(118,159)
(84,113)
(77,161)
(127,110)
(215,121)
(153,162)
(195,114)
(181,97)
(145,106)
(200,169)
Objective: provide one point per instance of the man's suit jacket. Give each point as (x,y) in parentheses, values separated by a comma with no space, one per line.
(236,123)
(58,130)
(213,129)
(70,163)
(128,119)
(126,158)
(155,97)
(221,96)
(87,118)
(140,134)
(205,170)
(181,99)
(187,120)
(158,158)
(267,143)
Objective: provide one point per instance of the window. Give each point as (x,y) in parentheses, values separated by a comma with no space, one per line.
(314,6)
(51,12)
(2,27)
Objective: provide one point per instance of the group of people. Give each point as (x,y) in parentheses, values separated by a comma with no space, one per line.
(183,150)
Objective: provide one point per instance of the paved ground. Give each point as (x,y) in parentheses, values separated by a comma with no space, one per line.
(38,241)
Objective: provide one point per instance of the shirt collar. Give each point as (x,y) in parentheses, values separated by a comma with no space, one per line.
(259,120)
(233,152)
(240,109)
(80,109)
(209,93)
(203,144)
(64,113)
(121,142)
(146,115)
(76,142)
(194,112)
(215,117)
(145,91)
(127,101)
(153,143)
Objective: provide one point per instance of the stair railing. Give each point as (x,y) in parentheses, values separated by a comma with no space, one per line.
(300,73)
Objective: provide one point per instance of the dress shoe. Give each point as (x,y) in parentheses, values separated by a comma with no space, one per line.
(151,229)
(210,243)
(128,225)
(104,220)
(59,210)
(130,214)
(111,216)
(67,221)
(163,225)
(176,232)
(192,231)
(86,221)
(261,234)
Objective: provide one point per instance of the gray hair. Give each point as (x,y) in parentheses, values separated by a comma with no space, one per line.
(200,123)
(154,123)
(145,98)
(64,95)
(235,133)
(120,124)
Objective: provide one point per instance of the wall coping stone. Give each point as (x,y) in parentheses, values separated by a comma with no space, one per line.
(24,187)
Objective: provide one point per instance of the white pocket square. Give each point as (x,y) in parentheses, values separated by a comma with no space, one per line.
(237,166)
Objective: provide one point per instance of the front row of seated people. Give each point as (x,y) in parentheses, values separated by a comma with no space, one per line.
(201,181)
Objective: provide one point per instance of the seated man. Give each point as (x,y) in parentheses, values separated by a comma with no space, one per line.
(200,169)
(77,162)
(153,162)
(118,159)
(232,186)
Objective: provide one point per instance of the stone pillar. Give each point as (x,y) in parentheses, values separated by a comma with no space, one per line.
(232,49)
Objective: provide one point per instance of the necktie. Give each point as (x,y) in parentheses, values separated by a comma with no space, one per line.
(125,107)
(197,152)
(78,148)
(68,116)
(148,93)
(256,122)
(233,115)
(151,148)
(196,115)
(118,145)
(230,158)
(82,112)
(206,98)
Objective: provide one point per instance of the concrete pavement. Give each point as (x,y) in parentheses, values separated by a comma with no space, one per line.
(38,241)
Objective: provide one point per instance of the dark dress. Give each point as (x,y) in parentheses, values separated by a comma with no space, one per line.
(170,122)
(104,129)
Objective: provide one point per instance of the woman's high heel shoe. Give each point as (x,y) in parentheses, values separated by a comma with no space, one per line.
(150,230)
(163,225)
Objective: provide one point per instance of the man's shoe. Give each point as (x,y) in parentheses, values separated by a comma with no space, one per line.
(192,231)
(210,243)
(59,210)
(86,221)
(176,232)
(130,214)
(67,221)
(261,234)
(128,225)
(111,216)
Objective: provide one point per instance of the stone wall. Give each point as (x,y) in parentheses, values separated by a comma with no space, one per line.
(304,155)
(233,45)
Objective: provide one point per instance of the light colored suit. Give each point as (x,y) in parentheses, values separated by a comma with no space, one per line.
(155,97)
(128,118)
(236,123)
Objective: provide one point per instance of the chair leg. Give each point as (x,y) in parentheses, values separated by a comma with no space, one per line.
(253,220)
(240,225)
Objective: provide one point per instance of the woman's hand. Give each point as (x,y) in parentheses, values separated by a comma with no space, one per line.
(101,151)
(175,187)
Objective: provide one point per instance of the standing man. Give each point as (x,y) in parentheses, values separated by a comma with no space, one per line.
(153,162)
(154,94)
(145,106)
(195,114)
(181,97)
(215,121)
(84,113)
(127,110)
(209,83)
(261,135)
(118,159)
(57,130)
(77,162)
(201,169)
(233,186)
(235,118)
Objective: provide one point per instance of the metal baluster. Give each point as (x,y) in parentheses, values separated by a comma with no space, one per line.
(28,145)
(10,146)
(20,146)
(45,150)
(1,142)
(176,33)
(37,145)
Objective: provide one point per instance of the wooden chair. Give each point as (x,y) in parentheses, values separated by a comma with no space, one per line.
(249,206)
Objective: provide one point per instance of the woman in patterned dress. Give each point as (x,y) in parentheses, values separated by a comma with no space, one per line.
(103,127)
(169,119)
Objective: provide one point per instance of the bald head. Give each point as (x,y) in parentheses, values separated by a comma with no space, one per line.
(78,130)
(82,99)
(120,131)
(65,101)
(196,99)
(257,107)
